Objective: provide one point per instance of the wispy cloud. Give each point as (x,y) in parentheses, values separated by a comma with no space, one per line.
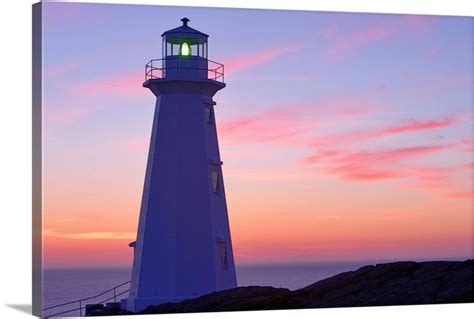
(344,45)
(371,165)
(424,87)
(90,96)
(429,177)
(348,44)
(60,14)
(363,165)
(60,69)
(89,235)
(469,165)
(292,124)
(66,220)
(461,195)
(431,53)
(467,144)
(276,125)
(245,61)
(65,114)
(139,144)
(407,127)
(127,85)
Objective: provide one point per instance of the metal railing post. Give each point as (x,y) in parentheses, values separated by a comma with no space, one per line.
(80,308)
(115,297)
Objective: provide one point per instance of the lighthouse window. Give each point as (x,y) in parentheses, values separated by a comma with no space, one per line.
(223,254)
(215,179)
(208,113)
(194,49)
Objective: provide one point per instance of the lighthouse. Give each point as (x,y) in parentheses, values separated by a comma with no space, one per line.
(183,247)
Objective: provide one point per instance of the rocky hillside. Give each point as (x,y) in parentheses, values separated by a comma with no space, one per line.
(400,283)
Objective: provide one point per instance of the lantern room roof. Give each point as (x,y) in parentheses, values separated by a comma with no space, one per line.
(186,32)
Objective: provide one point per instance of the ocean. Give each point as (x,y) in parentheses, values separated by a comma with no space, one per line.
(65,285)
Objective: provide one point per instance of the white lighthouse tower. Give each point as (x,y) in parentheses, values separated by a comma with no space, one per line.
(183,247)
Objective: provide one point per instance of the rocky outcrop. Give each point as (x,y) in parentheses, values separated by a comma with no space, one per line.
(399,283)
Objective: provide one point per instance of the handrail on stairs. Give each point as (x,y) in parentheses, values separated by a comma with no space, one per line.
(83,306)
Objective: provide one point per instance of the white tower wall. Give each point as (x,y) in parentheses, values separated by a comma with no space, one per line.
(183,248)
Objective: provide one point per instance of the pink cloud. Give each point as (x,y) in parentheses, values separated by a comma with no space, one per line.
(392,155)
(371,165)
(246,61)
(382,88)
(360,136)
(431,53)
(342,46)
(346,45)
(244,154)
(461,195)
(291,124)
(469,165)
(122,85)
(62,13)
(66,113)
(329,32)
(467,144)
(332,154)
(91,94)
(414,126)
(281,125)
(139,144)
(60,69)
(427,177)
(417,25)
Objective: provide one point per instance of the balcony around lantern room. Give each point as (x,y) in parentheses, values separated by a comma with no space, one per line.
(178,67)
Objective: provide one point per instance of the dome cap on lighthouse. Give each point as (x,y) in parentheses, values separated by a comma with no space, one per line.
(184,32)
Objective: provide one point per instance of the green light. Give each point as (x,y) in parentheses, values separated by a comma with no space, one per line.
(184,49)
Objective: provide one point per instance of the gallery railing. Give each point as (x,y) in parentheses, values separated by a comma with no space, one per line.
(79,306)
(156,69)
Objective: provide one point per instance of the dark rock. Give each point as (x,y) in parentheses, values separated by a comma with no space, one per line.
(241,298)
(111,309)
(399,283)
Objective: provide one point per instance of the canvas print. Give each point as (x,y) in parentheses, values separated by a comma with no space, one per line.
(206,159)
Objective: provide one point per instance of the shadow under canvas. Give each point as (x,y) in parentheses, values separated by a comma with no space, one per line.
(21,307)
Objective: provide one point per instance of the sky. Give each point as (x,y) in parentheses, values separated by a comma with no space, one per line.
(344,137)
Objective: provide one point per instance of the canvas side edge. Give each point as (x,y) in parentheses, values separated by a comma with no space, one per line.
(37,192)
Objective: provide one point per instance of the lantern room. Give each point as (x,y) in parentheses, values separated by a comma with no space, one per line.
(184,57)
(184,41)
(184,53)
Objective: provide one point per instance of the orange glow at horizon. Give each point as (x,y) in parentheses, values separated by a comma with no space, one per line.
(311,225)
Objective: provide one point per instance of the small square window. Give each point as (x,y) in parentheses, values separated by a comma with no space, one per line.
(208,113)
(223,254)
